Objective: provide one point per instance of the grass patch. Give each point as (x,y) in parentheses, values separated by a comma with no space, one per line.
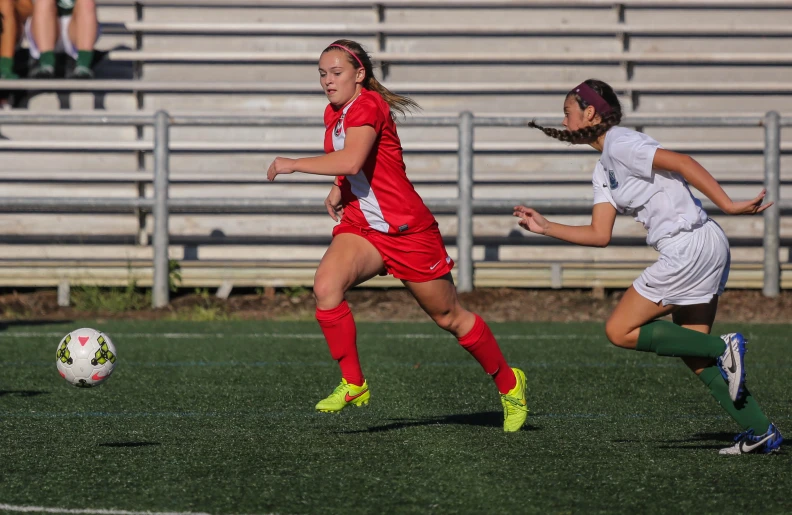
(112,300)
(218,417)
(207,313)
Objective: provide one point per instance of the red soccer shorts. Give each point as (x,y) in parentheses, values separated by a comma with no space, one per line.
(416,257)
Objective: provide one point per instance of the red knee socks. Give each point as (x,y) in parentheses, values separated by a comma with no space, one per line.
(338,327)
(482,345)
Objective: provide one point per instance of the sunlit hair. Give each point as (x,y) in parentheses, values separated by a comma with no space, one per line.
(589,134)
(398,103)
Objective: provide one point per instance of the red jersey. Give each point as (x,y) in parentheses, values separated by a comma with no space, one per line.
(380,196)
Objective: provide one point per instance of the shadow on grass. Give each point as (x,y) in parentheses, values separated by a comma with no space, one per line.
(484,419)
(129,444)
(720,436)
(22,393)
(694,441)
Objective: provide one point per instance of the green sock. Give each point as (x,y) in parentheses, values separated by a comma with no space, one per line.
(668,339)
(7,68)
(47,59)
(748,415)
(85,58)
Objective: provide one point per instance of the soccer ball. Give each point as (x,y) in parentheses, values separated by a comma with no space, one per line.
(85,357)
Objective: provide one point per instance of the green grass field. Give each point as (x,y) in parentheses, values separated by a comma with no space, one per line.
(218,417)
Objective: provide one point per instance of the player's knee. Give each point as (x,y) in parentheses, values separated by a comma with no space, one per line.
(326,292)
(445,319)
(616,334)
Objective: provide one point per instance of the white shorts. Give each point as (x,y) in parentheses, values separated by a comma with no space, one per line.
(64,43)
(692,268)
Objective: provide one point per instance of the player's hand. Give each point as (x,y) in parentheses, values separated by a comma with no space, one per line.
(749,207)
(281,165)
(333,204)
(531,220)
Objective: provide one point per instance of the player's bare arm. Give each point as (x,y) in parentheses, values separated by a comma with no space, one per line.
(596,234)
(698,177)
(347,161)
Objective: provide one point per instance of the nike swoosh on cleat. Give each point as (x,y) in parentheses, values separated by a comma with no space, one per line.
(748,448)
(349,398)
(733,366)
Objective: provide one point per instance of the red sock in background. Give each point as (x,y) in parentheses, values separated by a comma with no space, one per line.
(482,345)
(339,330)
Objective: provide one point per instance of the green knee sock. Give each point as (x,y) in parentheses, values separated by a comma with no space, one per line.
(85,58)
(7,68)
(667,339)
(47,59)
(748,415)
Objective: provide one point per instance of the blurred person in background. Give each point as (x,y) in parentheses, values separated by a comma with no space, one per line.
(68,26)
(13,14)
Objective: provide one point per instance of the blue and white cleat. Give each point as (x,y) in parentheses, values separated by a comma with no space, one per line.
(732,364)
(748,442)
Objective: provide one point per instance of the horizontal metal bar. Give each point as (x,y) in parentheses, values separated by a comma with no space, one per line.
(472,88)
(296,121)
(73,205)
(745,177)
(208,240)
(631,121)
(292,206)
(483,121)
(546,146)
(418,121)
(71,118)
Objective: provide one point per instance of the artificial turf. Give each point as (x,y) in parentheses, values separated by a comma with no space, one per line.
(218,417)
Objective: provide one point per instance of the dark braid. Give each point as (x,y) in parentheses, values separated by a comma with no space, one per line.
(589,134)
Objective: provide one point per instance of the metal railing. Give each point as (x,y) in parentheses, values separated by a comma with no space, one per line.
(464,206)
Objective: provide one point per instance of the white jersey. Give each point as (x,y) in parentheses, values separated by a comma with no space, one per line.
(658,199)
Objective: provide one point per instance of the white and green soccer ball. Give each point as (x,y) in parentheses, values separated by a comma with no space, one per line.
(85,357)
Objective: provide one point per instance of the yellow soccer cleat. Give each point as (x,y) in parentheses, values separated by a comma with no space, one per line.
(344,395)
(515,407)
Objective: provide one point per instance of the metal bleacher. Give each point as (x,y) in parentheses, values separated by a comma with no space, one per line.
(242,57)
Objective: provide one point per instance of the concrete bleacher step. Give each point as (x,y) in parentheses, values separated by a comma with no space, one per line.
(305,98)
(462,58)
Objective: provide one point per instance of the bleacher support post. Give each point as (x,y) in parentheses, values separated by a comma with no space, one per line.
(465,209)
(160,294)
(772,165)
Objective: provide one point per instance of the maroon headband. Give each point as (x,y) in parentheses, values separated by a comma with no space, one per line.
(592,98)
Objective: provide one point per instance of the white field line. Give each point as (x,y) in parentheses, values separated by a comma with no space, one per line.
(318,336)
(297,336)
(42,509)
